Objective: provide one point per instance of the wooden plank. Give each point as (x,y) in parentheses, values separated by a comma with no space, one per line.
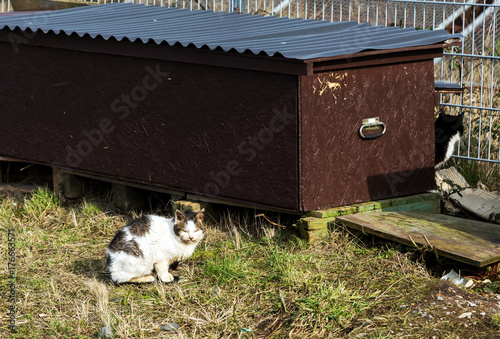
(444,176)
(469,241)
(9,159)
(238,203)
(127,183)
(424,202)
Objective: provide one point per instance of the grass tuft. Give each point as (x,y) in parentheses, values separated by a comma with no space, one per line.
(40,203)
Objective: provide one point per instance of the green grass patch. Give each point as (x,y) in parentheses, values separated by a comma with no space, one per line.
(40,203)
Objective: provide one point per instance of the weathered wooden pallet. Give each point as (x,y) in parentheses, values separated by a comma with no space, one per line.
(473,242)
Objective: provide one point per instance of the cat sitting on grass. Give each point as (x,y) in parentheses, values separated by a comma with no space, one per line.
(153,244)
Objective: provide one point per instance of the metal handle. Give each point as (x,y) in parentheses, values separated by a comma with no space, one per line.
(371,123)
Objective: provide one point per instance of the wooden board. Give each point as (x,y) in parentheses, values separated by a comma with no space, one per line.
(469,241)
(484,204)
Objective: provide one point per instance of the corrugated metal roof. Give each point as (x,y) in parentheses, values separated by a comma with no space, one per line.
(272,36)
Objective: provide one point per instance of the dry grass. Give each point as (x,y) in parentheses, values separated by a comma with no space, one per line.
(247,279)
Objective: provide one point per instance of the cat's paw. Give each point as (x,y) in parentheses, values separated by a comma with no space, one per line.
(167,277)
(146,279)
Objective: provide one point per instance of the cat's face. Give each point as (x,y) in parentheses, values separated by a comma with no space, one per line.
(189,226)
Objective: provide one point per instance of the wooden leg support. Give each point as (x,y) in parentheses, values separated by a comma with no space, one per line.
(67,185)
(212,213)
(128,198)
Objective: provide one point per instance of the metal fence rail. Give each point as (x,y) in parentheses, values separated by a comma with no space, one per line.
(475,64)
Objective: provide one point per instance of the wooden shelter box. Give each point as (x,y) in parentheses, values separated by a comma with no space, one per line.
(271,131)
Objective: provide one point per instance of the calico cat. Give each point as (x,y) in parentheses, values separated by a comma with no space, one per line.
(448,130)
(153,243)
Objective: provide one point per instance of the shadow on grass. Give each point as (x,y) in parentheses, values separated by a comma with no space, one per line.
(91,268)
(96,268)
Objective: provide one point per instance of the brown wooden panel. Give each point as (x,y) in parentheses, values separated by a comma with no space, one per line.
(337,166)
(200,129)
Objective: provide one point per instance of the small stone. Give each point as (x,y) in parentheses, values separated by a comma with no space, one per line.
(465,315)
(471,304)
(106,332)
(440,297)
(482,313)
(172,327)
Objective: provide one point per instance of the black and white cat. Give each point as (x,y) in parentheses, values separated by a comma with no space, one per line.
(152,244)
(448,129)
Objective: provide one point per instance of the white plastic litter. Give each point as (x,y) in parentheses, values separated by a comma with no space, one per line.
(455,278)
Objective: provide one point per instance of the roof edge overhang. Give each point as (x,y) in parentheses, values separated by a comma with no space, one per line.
(378,57)
(220,58)
(152,50)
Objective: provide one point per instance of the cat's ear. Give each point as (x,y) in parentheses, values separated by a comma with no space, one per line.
(199,215)
(179,217)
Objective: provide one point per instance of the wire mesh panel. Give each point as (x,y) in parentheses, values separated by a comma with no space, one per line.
(5,6)
(475,65)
